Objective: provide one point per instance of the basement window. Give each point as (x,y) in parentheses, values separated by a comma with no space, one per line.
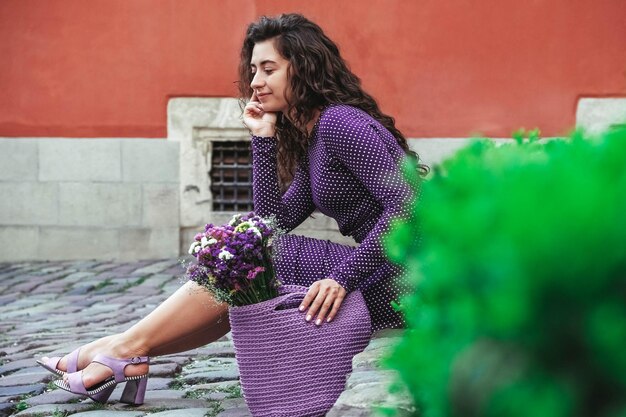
(231,176)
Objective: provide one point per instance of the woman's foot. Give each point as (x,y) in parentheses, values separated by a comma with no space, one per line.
(94,373)
(85,355)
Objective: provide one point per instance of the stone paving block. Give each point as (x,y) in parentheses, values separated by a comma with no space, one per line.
(218,349)
(104,267)
(5,407)
(25,286)
(15,365)
(210,364)
(57,396)
(99,204)
(18,159)
(110,413)
(384,377)
(21,390)
(221,386)
(79,277)
(150,160)
(56,288)
(234,407)
(6,299)
(82,160)
(156,383)
(33,369)
(160,404)
(177,359)
(235,412)
(42,308)
(189,412)
(360,401)
(31,203)
(84,243)
(211,376)
(370,358)
(164,394)
(155,267)
(18,242)
(164,369)
(160,205)
(81,290)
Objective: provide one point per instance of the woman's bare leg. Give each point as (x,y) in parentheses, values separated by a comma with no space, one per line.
(188,319)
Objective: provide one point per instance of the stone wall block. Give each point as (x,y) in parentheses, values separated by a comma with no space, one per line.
(80,160)
(436,150)
(150,160)
(142,243)
(160,205)
(18,243)
(100,204)
(61,243)
(184,117)
(596,115)
(18,160)
(28,203)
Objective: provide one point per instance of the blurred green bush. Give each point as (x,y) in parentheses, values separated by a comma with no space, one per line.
(519,306)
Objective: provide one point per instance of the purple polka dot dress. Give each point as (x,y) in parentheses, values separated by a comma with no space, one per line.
(350,173)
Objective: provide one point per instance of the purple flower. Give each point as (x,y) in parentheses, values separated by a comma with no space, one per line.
(254,272)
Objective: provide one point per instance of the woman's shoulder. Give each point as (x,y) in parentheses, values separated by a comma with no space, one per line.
(337,118)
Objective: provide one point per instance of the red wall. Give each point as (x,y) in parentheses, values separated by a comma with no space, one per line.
(106,68)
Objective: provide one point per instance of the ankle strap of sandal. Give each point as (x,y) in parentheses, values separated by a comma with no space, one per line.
(118,365)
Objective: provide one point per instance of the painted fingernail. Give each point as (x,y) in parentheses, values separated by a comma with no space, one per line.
(308,318)
(328,320)
(318,322)
(301,308)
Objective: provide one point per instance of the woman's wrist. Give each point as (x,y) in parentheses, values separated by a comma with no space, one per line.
(264,133)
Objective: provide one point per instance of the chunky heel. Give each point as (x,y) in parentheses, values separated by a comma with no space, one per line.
(134,391)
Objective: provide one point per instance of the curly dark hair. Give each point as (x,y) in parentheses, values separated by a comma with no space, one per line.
(318,76)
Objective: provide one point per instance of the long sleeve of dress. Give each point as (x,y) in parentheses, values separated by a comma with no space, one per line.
(362,149)
(296,204)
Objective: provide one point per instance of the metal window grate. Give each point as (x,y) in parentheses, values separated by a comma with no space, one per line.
(231,176)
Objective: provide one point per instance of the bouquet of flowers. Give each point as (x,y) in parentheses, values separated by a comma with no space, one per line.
(234,260)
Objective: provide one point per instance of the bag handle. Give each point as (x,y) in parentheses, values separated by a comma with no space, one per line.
(287,296)
(290,296)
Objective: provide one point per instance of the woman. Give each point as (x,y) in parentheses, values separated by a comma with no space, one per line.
(339,154)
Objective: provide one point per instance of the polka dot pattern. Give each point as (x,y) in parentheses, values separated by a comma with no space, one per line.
(350,173)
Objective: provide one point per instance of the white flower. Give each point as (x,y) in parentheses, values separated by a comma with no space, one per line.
(234,220)
(206,242)
(225,255)
(256,231)
(198,248)
(194,248)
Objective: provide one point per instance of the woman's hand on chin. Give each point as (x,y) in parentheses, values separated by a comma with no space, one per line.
(323,300)
(260,122)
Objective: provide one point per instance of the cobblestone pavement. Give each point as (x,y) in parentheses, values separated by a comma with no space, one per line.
(50,308)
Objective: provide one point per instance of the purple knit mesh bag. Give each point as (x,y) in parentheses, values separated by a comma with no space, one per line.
(291,368)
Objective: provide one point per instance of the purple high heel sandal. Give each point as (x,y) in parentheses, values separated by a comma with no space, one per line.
(133,393)
(51,363)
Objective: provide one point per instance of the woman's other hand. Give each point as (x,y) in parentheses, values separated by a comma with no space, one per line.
(260,122)
(323,300)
